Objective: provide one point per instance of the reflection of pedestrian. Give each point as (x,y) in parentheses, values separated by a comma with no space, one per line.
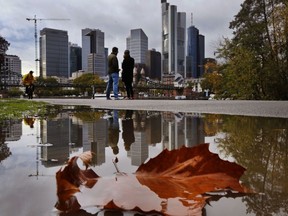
(29,121)
(113,132)
(127,73)
(113,73)
(128,130)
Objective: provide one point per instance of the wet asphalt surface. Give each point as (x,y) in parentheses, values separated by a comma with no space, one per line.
(230,107)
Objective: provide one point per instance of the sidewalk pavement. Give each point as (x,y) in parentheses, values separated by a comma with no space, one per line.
(230,107)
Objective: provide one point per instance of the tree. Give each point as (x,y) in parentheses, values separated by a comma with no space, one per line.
(88,79)
(47,86)
(3,48)
(256,58)
(212,82)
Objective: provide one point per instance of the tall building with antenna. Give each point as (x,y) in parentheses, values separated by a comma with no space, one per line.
(195,52)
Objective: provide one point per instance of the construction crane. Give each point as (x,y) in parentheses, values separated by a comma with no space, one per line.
(36,38)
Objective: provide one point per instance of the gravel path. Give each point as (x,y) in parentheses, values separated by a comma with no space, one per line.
(231,107)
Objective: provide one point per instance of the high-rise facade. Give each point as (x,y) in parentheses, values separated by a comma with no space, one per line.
(195,53)
(53,53)
(11,70)
(137,43)
(94,56)
(153,64)
(75,58)
(173,40)
(13,63)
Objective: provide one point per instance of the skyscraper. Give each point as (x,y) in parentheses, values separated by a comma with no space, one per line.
(173,40)
(11,70)
(153,64)
(195,53)
(53,53)
(93,43)
(75,58)
(137,43)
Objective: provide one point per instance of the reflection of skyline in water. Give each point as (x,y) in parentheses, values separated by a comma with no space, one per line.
(68,133)
(257,143)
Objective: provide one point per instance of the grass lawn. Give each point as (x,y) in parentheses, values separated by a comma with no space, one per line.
(17,108)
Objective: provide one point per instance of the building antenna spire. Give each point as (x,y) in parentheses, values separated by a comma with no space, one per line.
(191,19)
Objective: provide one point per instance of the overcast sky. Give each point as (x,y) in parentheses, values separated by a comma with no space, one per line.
(114,17)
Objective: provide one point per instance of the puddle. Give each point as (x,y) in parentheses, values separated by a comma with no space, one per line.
(32,150)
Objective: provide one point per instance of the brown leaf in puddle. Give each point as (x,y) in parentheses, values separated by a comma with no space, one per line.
(70,178)
(173,183)
(196,170)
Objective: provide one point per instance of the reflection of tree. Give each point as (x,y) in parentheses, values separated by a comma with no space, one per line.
(212,124)
(4,149)
(140,120)
(260,145)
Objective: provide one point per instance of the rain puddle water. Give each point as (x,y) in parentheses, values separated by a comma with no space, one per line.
(32,150)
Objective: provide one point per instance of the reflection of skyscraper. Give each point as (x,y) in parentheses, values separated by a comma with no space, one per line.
(194,133)
(180,129)
(12,129)
(76,133)
(95,139)
(153,129)
(55,132)
(139,150)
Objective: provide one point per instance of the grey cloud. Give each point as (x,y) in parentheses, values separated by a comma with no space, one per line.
(114,17)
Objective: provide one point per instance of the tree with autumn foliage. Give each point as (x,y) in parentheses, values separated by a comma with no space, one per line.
(89,80)
(256,58)
(212,82)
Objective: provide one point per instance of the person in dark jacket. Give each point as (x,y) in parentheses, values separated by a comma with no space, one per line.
(113,72)
(127,73)
(128,130)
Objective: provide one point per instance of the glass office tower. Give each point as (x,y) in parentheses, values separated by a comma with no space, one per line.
(137,43)
(53,53)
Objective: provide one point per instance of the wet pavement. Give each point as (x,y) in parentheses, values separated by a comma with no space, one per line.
(230,107)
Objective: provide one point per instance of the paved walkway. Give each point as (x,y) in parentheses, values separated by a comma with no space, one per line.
(231,107)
